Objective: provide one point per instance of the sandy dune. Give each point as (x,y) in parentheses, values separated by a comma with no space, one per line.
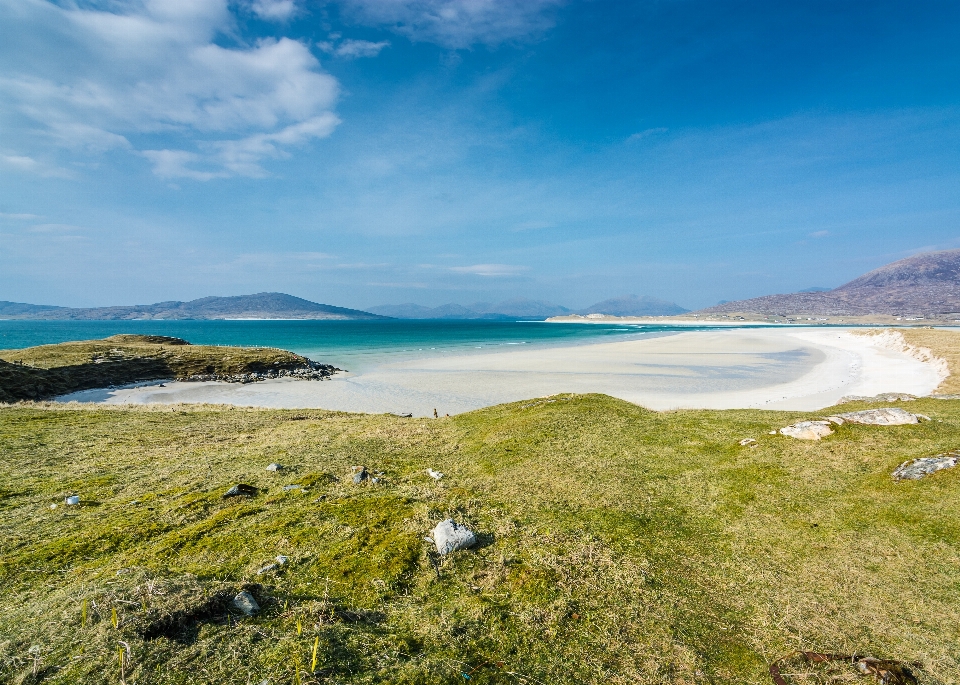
(794,368)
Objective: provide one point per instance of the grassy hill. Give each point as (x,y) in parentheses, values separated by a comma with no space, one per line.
(617,545)
(50,370)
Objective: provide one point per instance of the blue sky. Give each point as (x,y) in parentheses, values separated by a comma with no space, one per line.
(369,152)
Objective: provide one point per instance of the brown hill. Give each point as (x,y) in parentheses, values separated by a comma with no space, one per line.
(925,285)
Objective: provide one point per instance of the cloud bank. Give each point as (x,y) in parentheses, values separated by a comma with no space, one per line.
(91,80)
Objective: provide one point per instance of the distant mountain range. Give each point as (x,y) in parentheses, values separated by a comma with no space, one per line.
(259,306)
(281,306)
(926,285)
(628,305)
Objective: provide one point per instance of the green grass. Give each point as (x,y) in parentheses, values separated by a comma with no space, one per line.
(47,370)
(617,545)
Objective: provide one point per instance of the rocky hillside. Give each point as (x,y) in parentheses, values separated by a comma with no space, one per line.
(259,306)
(926,285)
(49,370)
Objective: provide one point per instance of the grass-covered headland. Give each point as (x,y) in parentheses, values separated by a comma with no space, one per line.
(48,370)
(617,545)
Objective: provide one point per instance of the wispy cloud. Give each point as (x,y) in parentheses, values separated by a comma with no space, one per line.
(490,270)
(93,77)
(274,10)
(23,163)
(646,133)
(20,217)
(458,23)
(352,49)
(819,234)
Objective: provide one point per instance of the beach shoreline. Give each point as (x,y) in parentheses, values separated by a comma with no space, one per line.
(795,368)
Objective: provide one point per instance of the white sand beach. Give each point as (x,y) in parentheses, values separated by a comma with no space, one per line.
(782,368)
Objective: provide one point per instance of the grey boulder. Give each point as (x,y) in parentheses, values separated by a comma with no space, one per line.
(245,603)
(918,468)
(449,536)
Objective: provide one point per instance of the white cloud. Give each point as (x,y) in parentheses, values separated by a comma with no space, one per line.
(640,135)
(19,217)
(457,23)
(352,49)
(819,234)
(23,163)
(490,270)
(274,10)
(94,79)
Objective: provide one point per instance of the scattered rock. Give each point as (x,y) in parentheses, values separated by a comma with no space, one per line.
(53,506)
(747,441)
(918,468)
(945,397)
(360,474)
(450,536)
(277,563)
(436,475)
(887,416)
(401,415)
(72,499)
(245,603)
(274,467)
(288,488)
(807,430)
(241,490)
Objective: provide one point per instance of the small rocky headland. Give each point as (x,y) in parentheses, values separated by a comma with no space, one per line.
(38,373)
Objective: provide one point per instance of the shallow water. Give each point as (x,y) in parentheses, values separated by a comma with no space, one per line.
(354,345)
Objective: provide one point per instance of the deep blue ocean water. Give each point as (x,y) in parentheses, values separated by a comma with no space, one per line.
(352,345)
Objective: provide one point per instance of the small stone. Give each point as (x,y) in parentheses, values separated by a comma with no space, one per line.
(241,490)
(436,475)
(72,499)
(449,536)
(282,559)
(274,467)
(359,474)
(747,441)
(53,506)
(245,603)
(807,430)
(288,488)
(918,468)
(266,569)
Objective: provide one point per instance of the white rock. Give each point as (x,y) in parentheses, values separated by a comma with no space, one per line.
(747,441)
(887,416)
(274,467)
(72,499)
(450,536)
(245,603)
(282,559)
(436,475)
(807,430)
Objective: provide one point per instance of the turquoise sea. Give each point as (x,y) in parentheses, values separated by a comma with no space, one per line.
(352,345)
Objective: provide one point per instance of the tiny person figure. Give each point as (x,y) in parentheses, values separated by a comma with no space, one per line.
(435,415)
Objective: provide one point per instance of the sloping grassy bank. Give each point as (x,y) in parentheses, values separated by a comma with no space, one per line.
(617,545)
(49,370)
